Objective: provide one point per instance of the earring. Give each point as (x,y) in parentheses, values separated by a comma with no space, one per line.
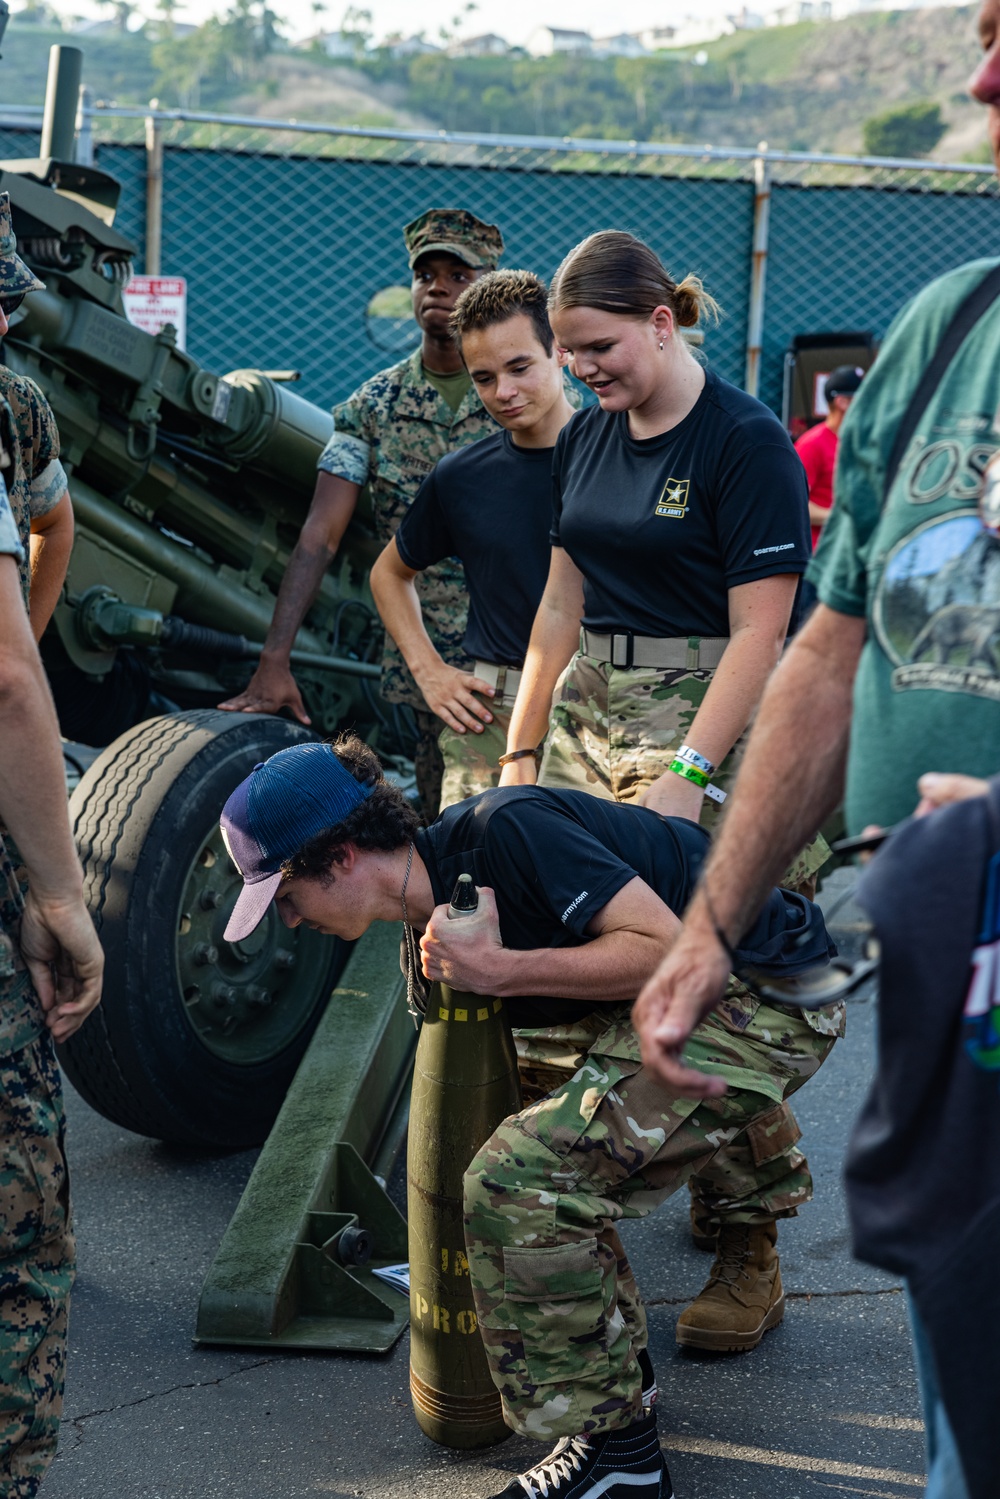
(661,345)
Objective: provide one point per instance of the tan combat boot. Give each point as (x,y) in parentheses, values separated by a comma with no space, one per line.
(743,1297)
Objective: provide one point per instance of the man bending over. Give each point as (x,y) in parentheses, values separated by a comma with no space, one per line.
(583,896)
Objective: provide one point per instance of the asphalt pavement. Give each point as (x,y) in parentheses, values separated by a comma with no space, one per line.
(826,1404)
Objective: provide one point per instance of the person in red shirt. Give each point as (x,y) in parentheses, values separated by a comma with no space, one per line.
(818,447)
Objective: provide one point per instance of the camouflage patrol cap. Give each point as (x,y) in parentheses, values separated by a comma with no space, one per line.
(455,231)
(15,278)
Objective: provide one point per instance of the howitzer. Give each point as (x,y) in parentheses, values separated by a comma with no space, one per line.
(189,489)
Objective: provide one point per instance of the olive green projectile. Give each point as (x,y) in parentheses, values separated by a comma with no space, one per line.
(464,1083)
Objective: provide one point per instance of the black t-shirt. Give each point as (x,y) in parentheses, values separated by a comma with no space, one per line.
(554,859)
(661,528)
(489,505)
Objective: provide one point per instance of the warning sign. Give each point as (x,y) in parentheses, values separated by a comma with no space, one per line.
(153,301)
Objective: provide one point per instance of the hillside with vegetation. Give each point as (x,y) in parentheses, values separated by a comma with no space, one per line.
(893,79)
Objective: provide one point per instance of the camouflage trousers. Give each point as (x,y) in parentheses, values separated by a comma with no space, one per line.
(428,766)
(613,732)
(470,760)
(557,1303)
(37,1262)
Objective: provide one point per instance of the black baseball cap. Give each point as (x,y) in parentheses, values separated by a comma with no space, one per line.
(843,381)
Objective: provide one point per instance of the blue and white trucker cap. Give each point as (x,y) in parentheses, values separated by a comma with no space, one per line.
(282,804)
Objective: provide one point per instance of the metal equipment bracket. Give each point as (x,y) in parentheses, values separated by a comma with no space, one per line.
(278,1279)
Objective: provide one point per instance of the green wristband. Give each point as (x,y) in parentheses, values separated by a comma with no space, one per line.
(690,773)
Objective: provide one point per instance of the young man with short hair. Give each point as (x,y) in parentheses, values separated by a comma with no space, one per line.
(580,897)
(490,506)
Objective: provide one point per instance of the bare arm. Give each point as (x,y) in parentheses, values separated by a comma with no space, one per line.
(58,941)
(555,636)
(791,779)
(448,692)
(818,514)
(758,624)
(272,686)
(630,934)
(51,544)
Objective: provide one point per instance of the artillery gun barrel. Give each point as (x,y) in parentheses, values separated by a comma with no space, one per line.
(61,94)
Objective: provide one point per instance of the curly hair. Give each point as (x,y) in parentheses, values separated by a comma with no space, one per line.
(385,820)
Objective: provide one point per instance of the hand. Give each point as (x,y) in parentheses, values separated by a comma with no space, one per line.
(688,983)
(523,772)
(451,694)
(64,958)
(673,796)
(464,952)
(271,688)
(940,790)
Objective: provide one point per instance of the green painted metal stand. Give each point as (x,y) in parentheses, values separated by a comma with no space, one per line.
(279,1279)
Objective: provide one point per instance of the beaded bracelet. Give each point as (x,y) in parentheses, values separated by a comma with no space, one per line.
(692,757)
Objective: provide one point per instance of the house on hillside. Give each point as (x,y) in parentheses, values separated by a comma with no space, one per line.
(747,20)
(690,31)
(625,44)
(656,37)
(408,46)
(334,44)
(487,45)
(800,10)
(695,31)
(544,41)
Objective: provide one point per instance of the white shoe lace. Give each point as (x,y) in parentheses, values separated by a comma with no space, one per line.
(562,1462)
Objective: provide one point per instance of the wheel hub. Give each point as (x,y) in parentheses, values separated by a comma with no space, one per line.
(246,1000)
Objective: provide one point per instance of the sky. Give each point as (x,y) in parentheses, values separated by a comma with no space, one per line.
(512,19)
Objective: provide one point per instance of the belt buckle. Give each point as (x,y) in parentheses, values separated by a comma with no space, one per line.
(619,658)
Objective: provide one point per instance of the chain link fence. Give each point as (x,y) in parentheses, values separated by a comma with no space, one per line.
(289,233)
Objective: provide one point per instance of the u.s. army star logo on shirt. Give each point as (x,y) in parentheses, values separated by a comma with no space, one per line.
(673,501)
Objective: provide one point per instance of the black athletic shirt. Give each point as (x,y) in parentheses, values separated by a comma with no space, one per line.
(489,505)
(554,859)
(661,528)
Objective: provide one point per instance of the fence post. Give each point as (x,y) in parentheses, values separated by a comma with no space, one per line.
(154,193)
(758,268)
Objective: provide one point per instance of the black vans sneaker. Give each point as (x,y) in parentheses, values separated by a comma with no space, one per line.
(625,1464)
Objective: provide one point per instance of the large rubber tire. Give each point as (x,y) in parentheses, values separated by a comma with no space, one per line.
(196,1040)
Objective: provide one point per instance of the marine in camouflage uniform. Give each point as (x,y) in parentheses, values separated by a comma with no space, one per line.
(37,1257)
(387,437)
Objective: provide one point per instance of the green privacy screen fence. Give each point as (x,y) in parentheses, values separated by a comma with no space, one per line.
(285,233)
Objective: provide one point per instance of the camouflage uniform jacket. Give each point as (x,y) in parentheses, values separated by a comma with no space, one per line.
(34,482)
(35,478)
(388,436)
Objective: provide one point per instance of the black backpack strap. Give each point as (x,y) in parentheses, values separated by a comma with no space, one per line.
(979,300)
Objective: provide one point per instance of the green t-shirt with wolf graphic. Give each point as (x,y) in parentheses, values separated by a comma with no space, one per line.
(919,567)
